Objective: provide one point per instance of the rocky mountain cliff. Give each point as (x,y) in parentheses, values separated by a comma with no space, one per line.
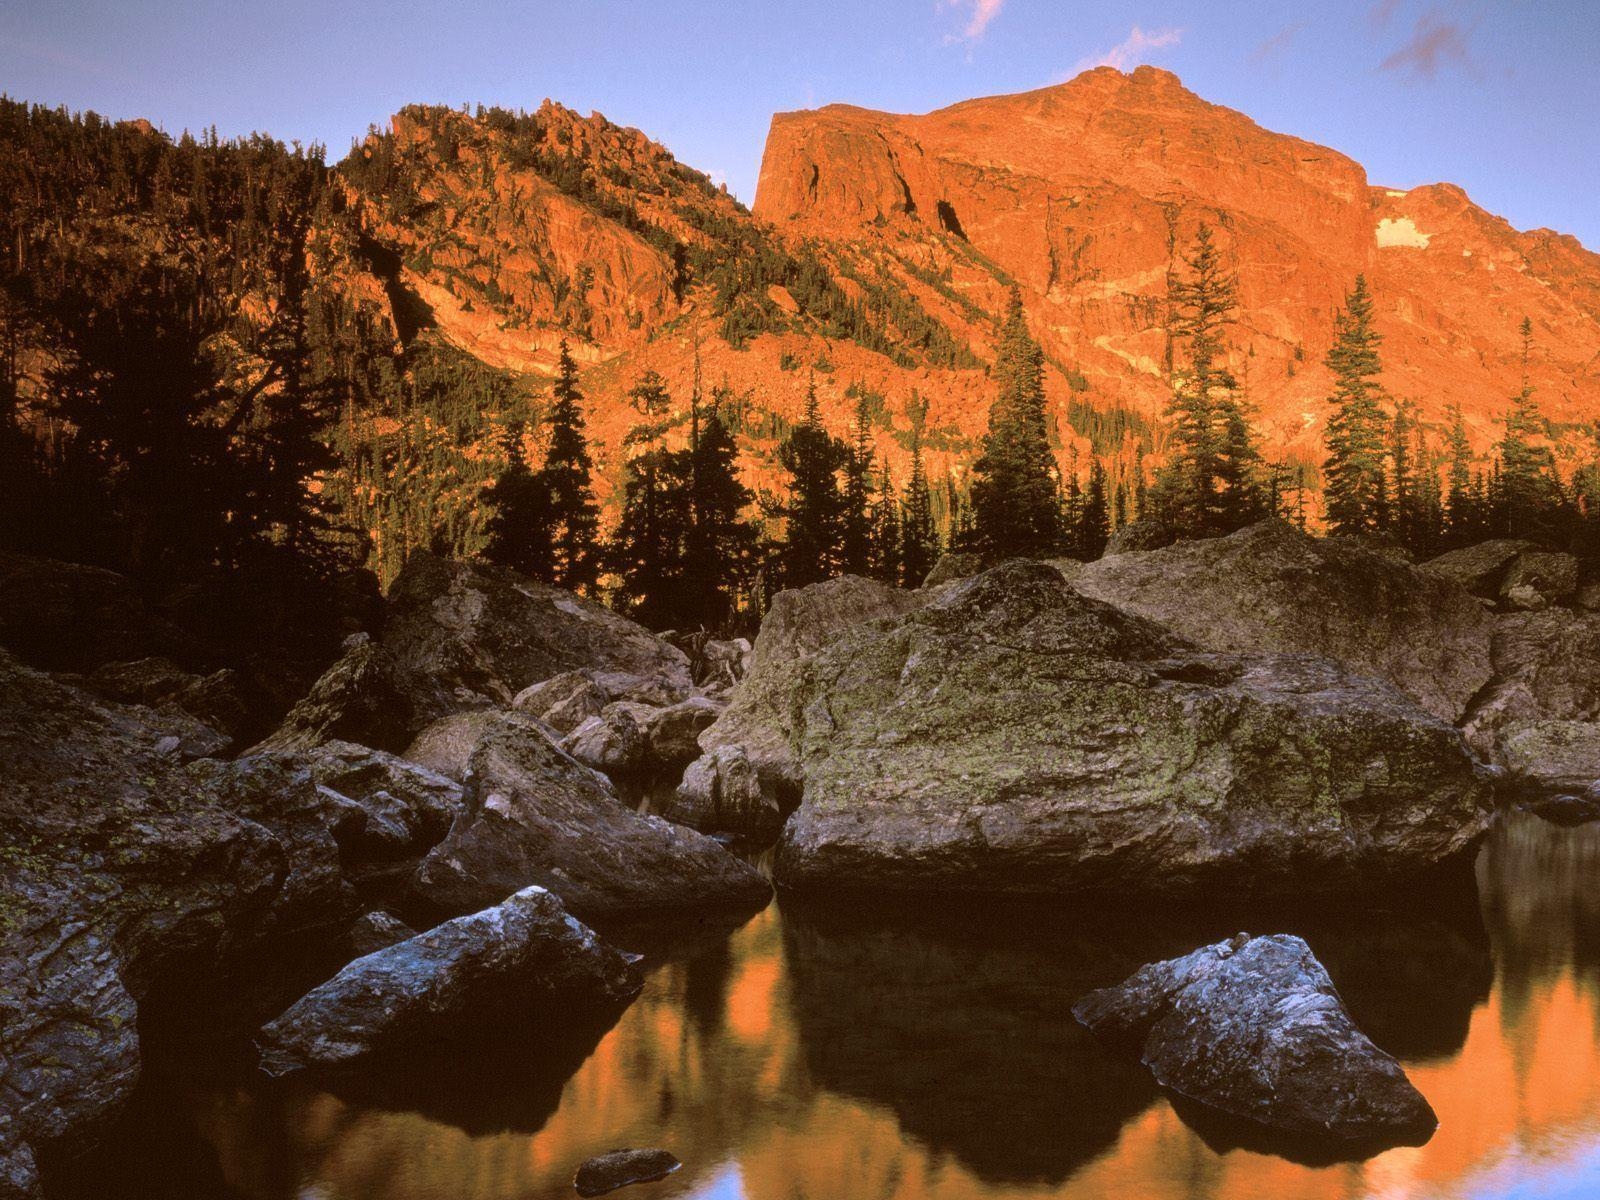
(1085,194)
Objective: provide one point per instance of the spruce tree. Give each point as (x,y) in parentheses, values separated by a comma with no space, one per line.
(856,548)
(566,475)
(1014,491)
(721,549)
(919,540)
(1355,434)
(646,550)
(814,510)
(1530,496)
(885,563)
(1462,518)
(1210,484)
(1094,520)
(519,527)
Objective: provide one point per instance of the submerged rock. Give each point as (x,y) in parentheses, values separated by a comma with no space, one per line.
(1253,1029)
(524,961)
(1015,736)
(619,1168)
(1270,587)
(535,815)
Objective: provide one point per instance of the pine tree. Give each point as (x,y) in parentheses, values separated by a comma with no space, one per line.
(646,550)
(1355,435)
(1462,515)
(885,563)
(1210,484)
(919,540)
(519,528)
(814,510)
(856,550)
(721,550)
(1530,496)
(1094,521)
(1014,501)
(566,475)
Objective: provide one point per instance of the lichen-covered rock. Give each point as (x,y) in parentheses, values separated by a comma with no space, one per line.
(563,701)
(1270,587)
(469,634)
(524,959)
(375,931)
(117,866)
(952,567)
(1546,685)
(447,744)
(461,636)
(616,742)
(64,616)
(214,699)
(619,1168)
(798,624)
(535,815)
(674,732)
(722,793)
(1015,736)
(1253,1029)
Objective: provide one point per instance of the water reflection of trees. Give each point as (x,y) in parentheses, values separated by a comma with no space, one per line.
(959,1018)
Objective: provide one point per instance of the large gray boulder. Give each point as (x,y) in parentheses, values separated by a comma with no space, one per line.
(460,636)
(1514,574)
(120,868)
(535,815)
(524,960)
(1253,1029)
(799,623)
(1016,736)
(722,793)
(1270,587)
(1540,718)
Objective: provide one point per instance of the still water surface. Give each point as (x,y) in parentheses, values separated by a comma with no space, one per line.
(816,1053)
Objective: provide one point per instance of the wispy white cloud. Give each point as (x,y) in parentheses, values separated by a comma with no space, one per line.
(1434,43)
(1378,15)
(1277,43)
(980,14)
(1133,49)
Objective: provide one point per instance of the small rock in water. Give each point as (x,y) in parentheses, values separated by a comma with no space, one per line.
(1566,810)
(1252,1029)
(618,1168)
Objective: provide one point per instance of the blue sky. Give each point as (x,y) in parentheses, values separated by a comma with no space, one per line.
(1500,96)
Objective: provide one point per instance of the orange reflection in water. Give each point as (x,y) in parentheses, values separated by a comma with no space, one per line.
(741,1061)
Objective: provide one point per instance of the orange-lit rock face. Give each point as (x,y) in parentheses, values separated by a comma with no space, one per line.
(1084,193)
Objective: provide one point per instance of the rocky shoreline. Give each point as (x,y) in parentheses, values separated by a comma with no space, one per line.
(444,812)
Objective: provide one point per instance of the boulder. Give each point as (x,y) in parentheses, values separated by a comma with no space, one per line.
(1252,1029)
(535,815)
(1538,578)
(120,870)
(798,624)
(1016,736)
(952,567)
(616,742)
(214,700)
(721,793)
(674,732)
(375,931)
(64,616)
(469,634)
(1270,587)
(619,1168)
(363,698)
(525,962)
(1553,754)
(1518,575)
(1546,686)
(446,746)
(1479,569)
(563,701)
(461,636)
